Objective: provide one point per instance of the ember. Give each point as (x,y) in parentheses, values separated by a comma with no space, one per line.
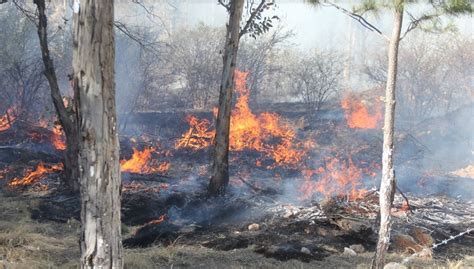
(357,114)
(41,171)
(142,162)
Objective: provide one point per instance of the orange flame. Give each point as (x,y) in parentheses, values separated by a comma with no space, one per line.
(142,162)
(8,119)
(357,114)
(265,133)
(158,221)
(338,177)
(34,175)
(198,136)
(58,138)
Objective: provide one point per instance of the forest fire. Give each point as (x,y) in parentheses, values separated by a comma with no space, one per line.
(58,138)
(339,177)
(34,175)
(265,132)
(8,119)
(142,162)
(357,114)
(198,136)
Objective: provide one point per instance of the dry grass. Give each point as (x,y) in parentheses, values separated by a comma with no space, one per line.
(26,243)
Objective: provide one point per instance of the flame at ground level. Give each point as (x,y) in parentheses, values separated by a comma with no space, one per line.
(58,138)
(41,171)
(357,113)
(338,177)
(265,132)
(142,162)
(8,119)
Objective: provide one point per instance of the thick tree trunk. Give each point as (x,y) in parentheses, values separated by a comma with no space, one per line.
(94,74)
(220,168)
(71,163)
(387,185)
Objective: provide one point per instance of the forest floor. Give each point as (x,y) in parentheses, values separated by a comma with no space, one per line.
(27,243)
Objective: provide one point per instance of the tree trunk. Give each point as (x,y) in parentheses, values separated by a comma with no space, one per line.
(71,162)
(387,185)
(220,168)
(94,74)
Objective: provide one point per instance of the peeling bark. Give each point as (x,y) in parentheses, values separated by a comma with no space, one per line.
(220,168)
(387,185)
(94,74)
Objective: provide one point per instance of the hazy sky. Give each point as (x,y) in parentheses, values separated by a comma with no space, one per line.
(324,26)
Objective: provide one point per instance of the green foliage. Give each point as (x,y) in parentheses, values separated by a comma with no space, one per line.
(455,7)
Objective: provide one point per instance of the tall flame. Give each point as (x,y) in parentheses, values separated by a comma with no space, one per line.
(8,119)
(265,132)
(34,175)
(142,162)
(357,114)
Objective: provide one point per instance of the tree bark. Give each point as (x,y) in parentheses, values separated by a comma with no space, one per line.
(220,169)
(387,185)
(94,74)
(68,122)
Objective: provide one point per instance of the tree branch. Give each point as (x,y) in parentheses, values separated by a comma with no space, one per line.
(359,19)
(416,22)
(227,6)
(251,18)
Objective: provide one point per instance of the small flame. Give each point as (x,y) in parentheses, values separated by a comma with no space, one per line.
(158,221)
(41,171)
(8,119)
(58,138)
(142,162)
(357,114)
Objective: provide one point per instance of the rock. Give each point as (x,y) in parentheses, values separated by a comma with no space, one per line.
(349,252)
(305,250)
(394,265)
(357,248)
(254,227)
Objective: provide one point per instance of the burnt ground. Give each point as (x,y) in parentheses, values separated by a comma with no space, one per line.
(262,222)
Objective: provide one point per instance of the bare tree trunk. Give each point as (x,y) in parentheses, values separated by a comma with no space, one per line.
(387,185)
(71,162)
(220,168)
(94,74)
